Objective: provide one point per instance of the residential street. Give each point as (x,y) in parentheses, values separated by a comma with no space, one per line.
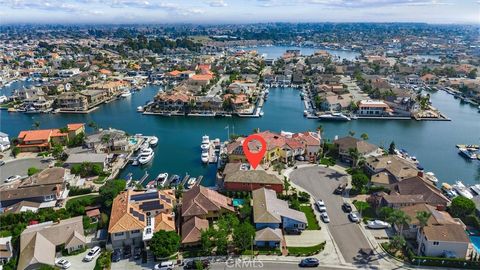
(20,167)
(321,182)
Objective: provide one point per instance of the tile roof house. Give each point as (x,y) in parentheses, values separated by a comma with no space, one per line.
(136,215)
(419,186)
(443,235)
(269,211)
(365,149)
(38,242)
(192,230)
(40,140)
(389,169)
(45,188)
(236,178)
(204,203)
(268,237)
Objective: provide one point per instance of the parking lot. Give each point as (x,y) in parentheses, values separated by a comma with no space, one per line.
(321,182)
(20,167)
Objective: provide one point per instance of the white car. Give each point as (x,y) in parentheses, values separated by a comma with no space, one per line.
(62,263)
(353,217)
(321,206)
(325,217)
(164,266)
(12,178)
(92,253)
(377,224)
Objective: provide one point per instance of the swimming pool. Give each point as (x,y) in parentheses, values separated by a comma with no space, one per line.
(133,141)
(238,202)
(475,242)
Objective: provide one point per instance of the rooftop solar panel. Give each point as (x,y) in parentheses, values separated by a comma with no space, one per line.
(144,196)
(153,205)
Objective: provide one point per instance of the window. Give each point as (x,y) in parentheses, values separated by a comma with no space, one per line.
(119,234)
(149,230)
(135,231)
(435,243)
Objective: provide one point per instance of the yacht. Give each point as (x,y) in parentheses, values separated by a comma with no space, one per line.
(146,151)
(261,113)
(334,117)
(146,156)
(431,177)
(205,157)
(191,182)
(460,188)
(153,141)
(205,139)
(140,109)
(205,146)
(475,189)
(464,152)
(126,93)
(161,179)
(3,99)
(174,180)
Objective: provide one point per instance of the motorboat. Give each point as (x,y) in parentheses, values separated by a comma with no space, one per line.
(431,177)
(377,224)
(334,117)
(205,147)
(140,109)
(261,113)
(174,180)
(205,157)
(135,162)
(161,179)
(150,185)
(464,152)
(205,139)
(126,93)
(191,182)
(448,190)
(475,189)
(460,188)
(146,157)
(146,151)
(153,141)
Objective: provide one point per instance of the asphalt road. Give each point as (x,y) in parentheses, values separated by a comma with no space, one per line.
(20,167)
(264,266)
(321,182)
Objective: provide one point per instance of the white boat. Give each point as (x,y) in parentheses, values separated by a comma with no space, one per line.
(126,93)
(140,109)
(460,188)
(377,224)
(3,99)
(146,151)
(135,162)
(475,189)
(334,117)
(205,139)
(261,113)
(205,146)
(161,179)
(145,158)
(205,157)
(153,141)
(431,177)
(191,182)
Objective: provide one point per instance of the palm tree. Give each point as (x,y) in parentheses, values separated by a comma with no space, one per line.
(364,136)
(399,218)
(355,156)
(422,218)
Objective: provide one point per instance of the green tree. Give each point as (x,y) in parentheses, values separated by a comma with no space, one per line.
(364,136)
(163,244)
(399,218)
(355,156)
(461,207)
(63,129)
(422,217)
(391,148)
(207,241)
(361,206)
(245,211)
(472,74)
(243,235)
(33,170)
(15,151)
(385,212)
(57,151)
(359,181)
(110,190)
(397,242)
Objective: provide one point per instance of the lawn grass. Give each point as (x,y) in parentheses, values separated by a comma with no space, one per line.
(90,197)
(311,218)
(100,180)
(302,251)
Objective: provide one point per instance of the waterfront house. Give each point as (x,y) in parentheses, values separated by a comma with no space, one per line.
(268,237)
(171,101)
(336,102)
(42,139)
(39,242)
(192,231)
(6,250)
(238,177)
(100,159)
(417,185)
(117,141)
(443,236)
(373,108)
(388,170)
(239,102)
(72,101)
(364,148)
(4,141)
(204,203)
(429,78)
(137,215)
(312,143)
(110,88)
(271,212)
(94,97)
(46,188)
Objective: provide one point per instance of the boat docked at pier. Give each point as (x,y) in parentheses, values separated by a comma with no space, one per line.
(153,141)
(466,153)
(431,177)
(462,190)
(205,139)
(334,117)
(191,183)
(161,179)
(204,156)
(126,94)
(146,155)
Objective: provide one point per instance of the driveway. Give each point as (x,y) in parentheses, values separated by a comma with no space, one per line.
(78,263)
(20,167)
(321,182)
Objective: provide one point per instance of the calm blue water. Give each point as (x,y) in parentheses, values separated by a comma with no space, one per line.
(277,51)
(475,242)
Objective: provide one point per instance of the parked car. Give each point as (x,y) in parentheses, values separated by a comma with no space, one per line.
(377,224)
(94,252)
(62,263)
(309,262)
(293,231)
(137,253)
(325,217)
(321,206)
(164,266)
(353,217)
(12,178)
(346,207)
(193,264)
(127,252)
(339,190)
(116,255)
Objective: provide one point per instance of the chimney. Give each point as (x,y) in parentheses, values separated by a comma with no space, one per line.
(420,174)
(440,207)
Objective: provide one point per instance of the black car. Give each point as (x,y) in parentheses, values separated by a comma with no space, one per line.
(194,264)
(127,252)
(309,262)
(116,255)
(137,253)
(339,190)
(293,231)
(347,208)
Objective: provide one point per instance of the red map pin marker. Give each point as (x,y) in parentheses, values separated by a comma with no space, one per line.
(254,158)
